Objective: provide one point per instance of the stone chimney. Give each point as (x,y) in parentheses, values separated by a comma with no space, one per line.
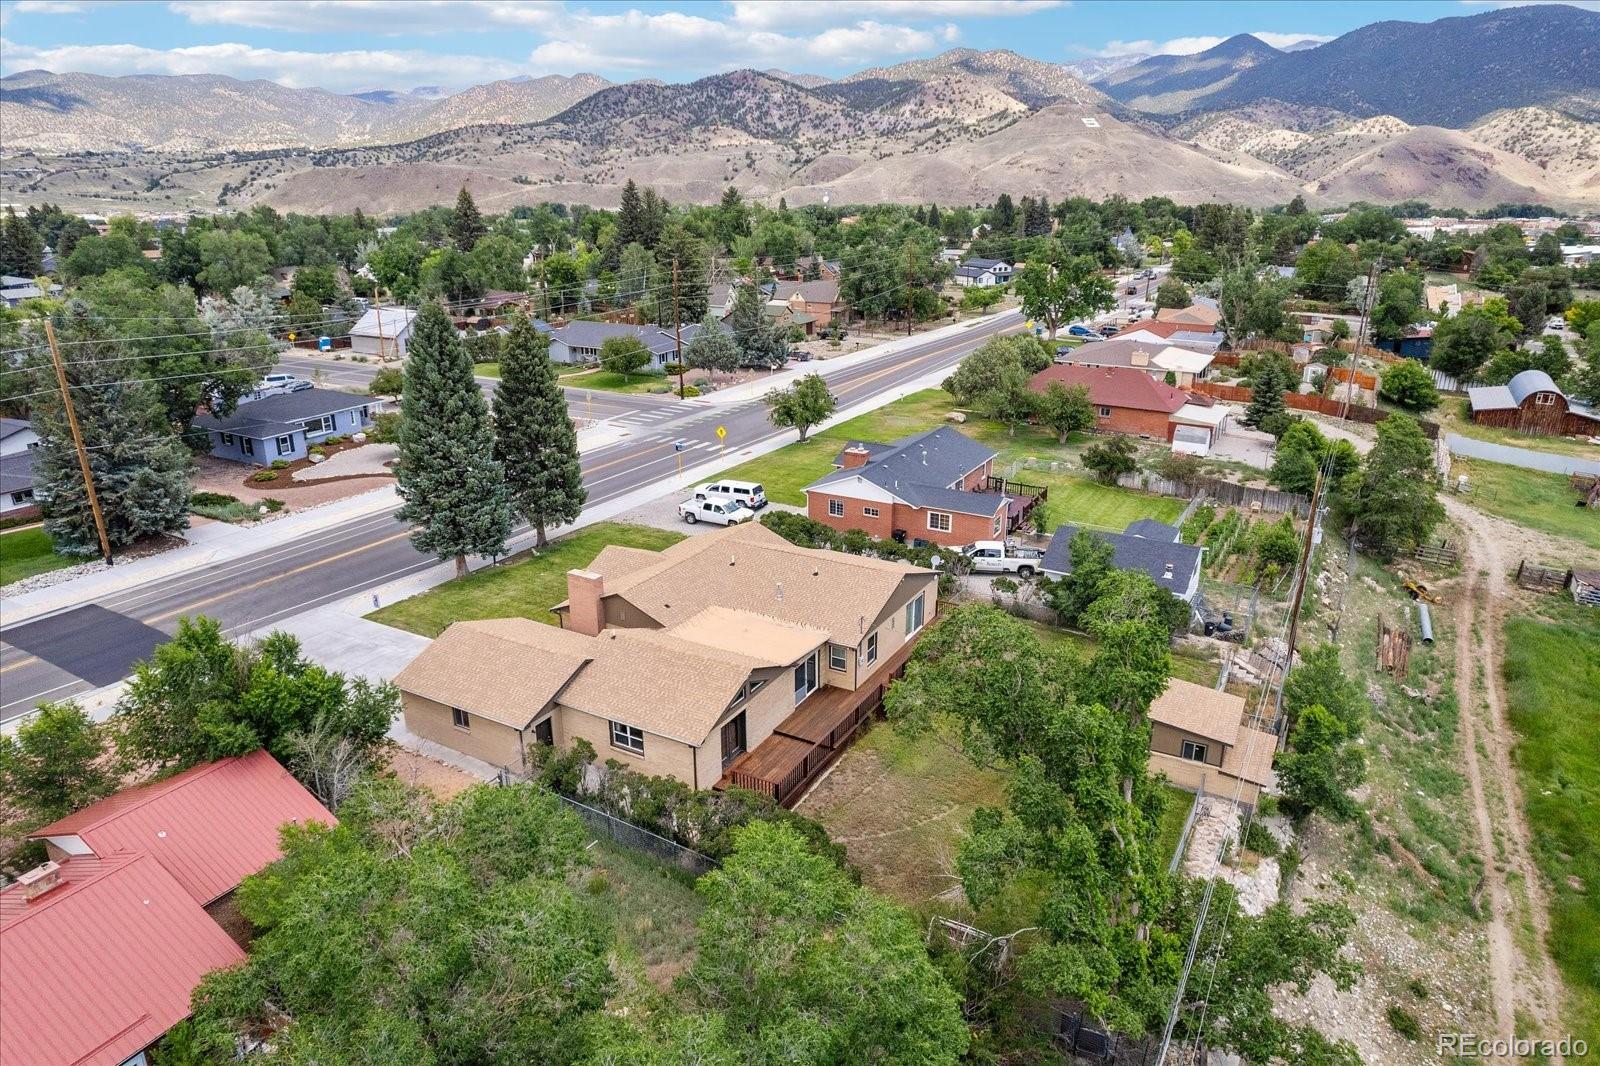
(855,456)
(586,613)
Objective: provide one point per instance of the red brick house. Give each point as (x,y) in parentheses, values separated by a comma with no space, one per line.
(1126,400)
(812,305)
(928,488)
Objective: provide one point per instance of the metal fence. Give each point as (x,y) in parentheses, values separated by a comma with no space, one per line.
(627,834)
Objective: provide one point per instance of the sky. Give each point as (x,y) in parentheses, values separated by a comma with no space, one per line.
(357,45)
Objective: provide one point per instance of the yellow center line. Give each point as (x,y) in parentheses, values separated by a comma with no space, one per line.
(20,662)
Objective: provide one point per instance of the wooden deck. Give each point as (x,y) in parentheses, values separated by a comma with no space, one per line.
(810,739)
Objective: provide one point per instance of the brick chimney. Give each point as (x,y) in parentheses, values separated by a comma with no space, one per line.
(855,456)
(586,613)
(1139,357)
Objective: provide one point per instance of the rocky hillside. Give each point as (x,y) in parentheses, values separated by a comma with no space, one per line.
(512,101)
(1450,72)
(1031,81)
(1171,84)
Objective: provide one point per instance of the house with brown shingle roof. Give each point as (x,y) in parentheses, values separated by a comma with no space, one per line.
(1127,400)
(732,658)
(1199,739)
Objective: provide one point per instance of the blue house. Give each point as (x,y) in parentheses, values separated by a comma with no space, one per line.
(285,426)
(1416,344)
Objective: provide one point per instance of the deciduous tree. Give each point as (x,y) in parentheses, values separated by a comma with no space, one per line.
(712,348)
(1110,458)
(54,763)
(1057,288)
(624,355)
(1392,501)
(1065,409)
(801,405)
(1408,384)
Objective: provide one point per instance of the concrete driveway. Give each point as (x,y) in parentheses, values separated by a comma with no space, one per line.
(1244,445)
(1528,460)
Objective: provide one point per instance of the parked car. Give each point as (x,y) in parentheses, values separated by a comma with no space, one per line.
(748,493)
(998,557)
(1109,328)
(717,512)
(273,384)
(1078,329)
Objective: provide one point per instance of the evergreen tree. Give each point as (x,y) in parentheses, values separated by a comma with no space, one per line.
(933,216)
(1004,216)
(759,340)
(694,294)
(632,227)
(1267,410)
(712,348)
(21,250)
(466,224)
(533,434)
(139,466)
(453,487)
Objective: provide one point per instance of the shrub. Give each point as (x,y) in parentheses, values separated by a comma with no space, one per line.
(280,464)
(385,428)
(674,369)
(211,499)
(1197,524)
(690,390)
(317,449)
(1403,1022)
(1259,840)
(264,475)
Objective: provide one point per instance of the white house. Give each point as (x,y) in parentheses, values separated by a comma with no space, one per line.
(17,444)
(383,333)
(983,272)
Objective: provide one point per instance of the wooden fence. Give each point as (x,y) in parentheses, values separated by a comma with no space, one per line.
(1440,554)
(1541,578)
(1362,380)
(1300,401)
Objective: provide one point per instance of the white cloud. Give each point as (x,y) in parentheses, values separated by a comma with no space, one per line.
(339,71)
(636,40)
(1186,46)
(383,17)
(45,7)
(793,14)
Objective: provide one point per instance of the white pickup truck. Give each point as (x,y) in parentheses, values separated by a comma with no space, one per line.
(998,557)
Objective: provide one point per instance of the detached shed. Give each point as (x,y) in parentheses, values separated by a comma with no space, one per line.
(1532,403)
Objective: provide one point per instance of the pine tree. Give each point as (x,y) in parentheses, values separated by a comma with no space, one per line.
(533,435)
(21,249)
(466,224)
(631,226)
(140,467)
(453,487)
(759,340)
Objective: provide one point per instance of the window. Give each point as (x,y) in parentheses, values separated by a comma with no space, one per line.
(913,616)
(1194,752)
(1105,412)
(870,512)
(247,445)
(835,508)
(999,519)
(318,425)
(872,649)
(939,521)
(1545,399)
(460,719)
(227,438)
(836,657)
(22,497)
(285,444)
(805,677)
(627,738)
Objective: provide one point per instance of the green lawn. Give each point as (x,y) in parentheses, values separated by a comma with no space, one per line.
(605,381)
(26,552)
(1552,674)
(486,370)
(786,472)
(1177,812)
(526,588)
(1529,498)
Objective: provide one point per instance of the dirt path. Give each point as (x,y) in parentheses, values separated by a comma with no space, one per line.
(1518,984)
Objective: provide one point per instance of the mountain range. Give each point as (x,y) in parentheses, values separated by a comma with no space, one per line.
(1467,111)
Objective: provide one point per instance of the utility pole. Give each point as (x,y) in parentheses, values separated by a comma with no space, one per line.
(377,310)
(677,327)
(1300,582)
(77,442)
(910,270)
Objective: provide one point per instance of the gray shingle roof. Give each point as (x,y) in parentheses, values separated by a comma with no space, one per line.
(1150,529)
(16,471)
(984,264)
(923,467)
(1131,553)
(11,426)
(585,334)
(273,415)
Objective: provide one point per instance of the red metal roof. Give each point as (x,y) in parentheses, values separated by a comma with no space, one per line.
(211,826)
(99,967)
(1115,386)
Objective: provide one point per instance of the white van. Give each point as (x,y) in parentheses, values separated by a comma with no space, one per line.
(748,493)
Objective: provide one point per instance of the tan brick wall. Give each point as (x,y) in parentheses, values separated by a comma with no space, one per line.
(486,740)
(1189,776)
(846,678)
(892,629)
(662,756)
(1164,738)
(763,712)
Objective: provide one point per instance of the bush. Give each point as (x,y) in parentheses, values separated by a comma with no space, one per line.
(385,428)
(1404,1022)
(317,449)
(690,390)
(280,464)
(211,499)
(264,475)
(809,533)
(1260,841)
(674,369)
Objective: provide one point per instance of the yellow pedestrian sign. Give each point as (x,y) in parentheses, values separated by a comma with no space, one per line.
(722,432)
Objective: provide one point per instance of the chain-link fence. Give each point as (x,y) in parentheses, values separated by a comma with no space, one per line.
(631,836)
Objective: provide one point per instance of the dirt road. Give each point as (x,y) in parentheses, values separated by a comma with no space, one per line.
(1522,978)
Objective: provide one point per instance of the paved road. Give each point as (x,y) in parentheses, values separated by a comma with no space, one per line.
(1523,457)
(69,653)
